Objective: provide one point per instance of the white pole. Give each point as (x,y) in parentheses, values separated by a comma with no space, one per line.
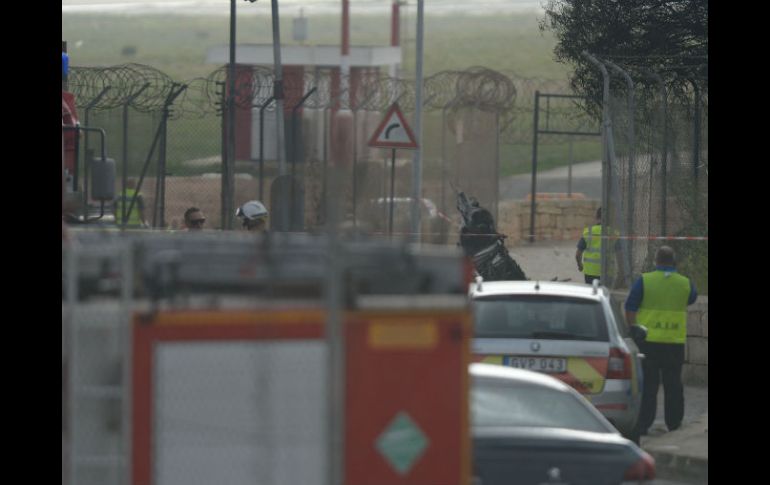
(278,91)
(417,158)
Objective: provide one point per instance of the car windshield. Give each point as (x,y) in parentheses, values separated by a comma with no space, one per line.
(541,317)
(493,404)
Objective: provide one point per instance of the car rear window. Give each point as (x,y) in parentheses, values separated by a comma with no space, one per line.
(507,405)
(539,316)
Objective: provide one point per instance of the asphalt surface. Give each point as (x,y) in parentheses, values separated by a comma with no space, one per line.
(545,260)
(586,179)
(682,454)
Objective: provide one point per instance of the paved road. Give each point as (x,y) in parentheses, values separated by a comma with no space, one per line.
(586,179)
(696,403)
(544,260)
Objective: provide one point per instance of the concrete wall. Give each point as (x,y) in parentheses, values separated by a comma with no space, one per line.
(695,370)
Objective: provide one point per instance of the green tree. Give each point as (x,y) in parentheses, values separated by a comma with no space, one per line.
(669,37)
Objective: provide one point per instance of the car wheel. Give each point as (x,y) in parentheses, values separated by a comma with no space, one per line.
(634,435)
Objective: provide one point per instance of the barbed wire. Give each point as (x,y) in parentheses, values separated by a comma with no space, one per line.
(142,87)
(504,93)
(146,89)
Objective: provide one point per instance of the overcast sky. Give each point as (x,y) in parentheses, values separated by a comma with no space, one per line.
(208,7)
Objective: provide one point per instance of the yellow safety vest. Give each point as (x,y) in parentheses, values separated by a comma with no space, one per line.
(664,307)
(592,255)
(132,219)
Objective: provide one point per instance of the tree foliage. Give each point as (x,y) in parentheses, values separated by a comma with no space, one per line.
(667,37)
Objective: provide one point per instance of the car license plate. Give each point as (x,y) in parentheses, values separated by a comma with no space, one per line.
(539,364)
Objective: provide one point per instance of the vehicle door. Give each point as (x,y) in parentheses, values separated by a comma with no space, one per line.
(619,317)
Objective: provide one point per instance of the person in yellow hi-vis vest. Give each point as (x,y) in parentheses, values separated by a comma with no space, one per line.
(589,251)
(658,301)
(135,218)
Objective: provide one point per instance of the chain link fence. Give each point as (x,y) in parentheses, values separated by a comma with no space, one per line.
(477,123)
(169,137)
(658,172)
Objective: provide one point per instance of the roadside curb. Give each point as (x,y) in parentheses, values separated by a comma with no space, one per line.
(671,466)
(682,455)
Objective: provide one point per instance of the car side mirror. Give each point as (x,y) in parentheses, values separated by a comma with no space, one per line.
(638,333)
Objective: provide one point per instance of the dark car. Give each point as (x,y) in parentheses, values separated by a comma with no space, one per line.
(530,428)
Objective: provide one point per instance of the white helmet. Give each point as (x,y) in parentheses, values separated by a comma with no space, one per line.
(251,211)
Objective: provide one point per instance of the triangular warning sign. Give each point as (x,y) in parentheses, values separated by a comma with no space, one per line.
(393,131)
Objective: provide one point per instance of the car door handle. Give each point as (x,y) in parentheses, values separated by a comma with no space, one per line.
(642,356)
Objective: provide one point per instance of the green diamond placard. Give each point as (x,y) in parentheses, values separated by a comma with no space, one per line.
(402,443)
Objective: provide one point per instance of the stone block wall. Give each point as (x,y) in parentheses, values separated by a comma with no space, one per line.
(695,371)
(556,220)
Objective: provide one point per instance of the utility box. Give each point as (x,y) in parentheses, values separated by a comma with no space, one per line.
(103,179)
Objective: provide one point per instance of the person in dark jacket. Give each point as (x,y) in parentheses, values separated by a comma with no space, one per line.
(658,300)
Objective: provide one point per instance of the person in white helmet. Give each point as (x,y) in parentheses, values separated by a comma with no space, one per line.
(254,216)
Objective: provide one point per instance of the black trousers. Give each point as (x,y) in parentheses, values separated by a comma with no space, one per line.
(662,362)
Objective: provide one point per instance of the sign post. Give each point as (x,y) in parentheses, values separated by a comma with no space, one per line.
(392,186)
(393,132)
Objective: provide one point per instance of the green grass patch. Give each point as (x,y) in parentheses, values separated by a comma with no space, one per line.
(178,46)
(517,159)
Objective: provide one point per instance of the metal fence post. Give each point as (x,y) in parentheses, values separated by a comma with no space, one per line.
(497,166)
(417,155)
(223,149)
(278,92)
(696,149)
(535,125)
(124,215)
(160,186)
(606,153)
(262,145)
(631,160)
(228,162)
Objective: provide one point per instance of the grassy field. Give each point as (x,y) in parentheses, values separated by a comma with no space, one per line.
(178,46)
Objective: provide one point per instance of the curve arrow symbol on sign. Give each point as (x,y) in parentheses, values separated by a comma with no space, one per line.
(393,132)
